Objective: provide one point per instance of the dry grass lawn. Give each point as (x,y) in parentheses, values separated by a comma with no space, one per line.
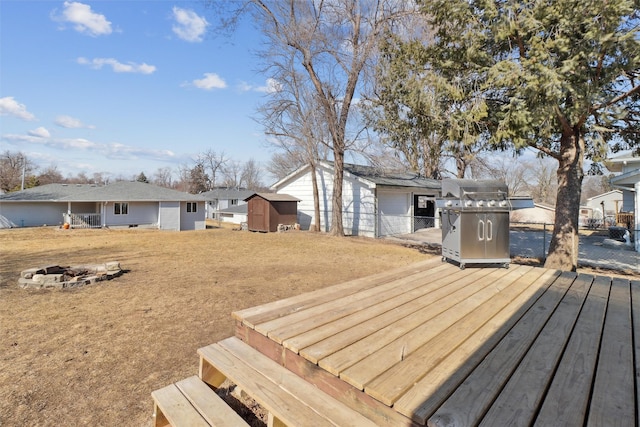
(92,355)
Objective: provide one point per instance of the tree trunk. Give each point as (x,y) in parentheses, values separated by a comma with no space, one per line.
(316,198)
(563,248)
(337,228)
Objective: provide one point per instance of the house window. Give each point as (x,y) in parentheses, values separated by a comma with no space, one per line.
(120,208)
(234,202)
(192,207)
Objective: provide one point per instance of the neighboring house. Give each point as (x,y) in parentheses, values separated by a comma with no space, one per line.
(605,206)
(121,204)
(222,201)
(375,203)
(628,181)
(236,214)
(538,214)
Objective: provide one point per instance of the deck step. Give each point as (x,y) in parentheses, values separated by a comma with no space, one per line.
(289,399)
(192,403)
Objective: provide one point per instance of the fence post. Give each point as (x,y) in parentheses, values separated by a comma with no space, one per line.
(544,243)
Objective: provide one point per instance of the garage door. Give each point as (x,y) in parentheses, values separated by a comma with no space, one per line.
(393,214)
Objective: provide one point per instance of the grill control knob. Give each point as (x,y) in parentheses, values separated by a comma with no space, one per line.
(468,203)
(503,203)
(480,203)
(449,203)
(492,203)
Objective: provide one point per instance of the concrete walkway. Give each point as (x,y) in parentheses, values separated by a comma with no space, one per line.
(594,251)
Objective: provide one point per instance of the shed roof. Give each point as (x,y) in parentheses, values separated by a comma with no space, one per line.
(274,197)
(227,194)
(121,191)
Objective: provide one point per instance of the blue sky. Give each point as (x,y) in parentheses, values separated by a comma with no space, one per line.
(123,87)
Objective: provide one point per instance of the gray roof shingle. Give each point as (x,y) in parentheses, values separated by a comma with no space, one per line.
(121,191)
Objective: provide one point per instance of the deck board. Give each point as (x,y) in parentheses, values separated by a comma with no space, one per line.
(343,331)
(475,375)
(519,399)
(359,351)
(438,345)
(569,392)
(612,401)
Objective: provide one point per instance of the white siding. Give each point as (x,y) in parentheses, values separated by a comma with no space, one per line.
(192,220)
(169,216)
(359,207)
(358,203)
(139,213)
(302,189)
(33,214)
(394,213)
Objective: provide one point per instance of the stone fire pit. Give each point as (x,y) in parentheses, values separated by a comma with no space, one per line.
(55,276)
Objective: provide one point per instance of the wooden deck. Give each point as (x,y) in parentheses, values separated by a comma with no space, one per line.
(434,345)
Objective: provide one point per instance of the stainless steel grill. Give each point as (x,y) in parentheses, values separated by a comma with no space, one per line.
(475,221)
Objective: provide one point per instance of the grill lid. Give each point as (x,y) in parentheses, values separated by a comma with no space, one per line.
(472,188)
(485,195)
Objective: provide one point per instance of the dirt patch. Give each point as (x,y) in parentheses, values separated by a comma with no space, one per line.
(93,355)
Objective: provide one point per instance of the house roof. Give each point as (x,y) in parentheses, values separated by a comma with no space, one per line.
(274,197)
(121,191)
(626,180)
(226,194)
(599,196)
(391,179)
(615,164)
(375,176)
(236,209)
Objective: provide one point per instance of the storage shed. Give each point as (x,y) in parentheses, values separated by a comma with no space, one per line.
(266,211)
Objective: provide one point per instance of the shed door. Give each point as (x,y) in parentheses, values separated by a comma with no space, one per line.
(393,214)
(258,214)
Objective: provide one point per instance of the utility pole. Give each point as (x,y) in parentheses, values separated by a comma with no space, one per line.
(24,168)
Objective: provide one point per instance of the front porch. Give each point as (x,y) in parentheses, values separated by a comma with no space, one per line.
(82,220)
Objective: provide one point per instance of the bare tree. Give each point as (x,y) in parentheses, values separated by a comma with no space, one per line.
(516,174)
(250,175)
(293,119)
(15,170)
(50,175)
(333,44)
(284,162)
(163,177)
(232,174)
(213,163)
(544,182)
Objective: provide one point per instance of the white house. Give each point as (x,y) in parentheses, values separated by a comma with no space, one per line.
(628,181)
(375,203)
(225,204)
(605,206)
(540,213)
(121,204)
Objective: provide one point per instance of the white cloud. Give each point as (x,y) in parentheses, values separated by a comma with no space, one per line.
(189,26)
(209,82)
(270,86)
(117,66)
(10,107)
(71,123)
(40,132)
(84,20)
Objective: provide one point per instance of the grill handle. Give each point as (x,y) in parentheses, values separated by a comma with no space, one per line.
(489,230)
(481,230)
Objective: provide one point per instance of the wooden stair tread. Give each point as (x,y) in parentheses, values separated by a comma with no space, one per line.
(289,398)
(191,402)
